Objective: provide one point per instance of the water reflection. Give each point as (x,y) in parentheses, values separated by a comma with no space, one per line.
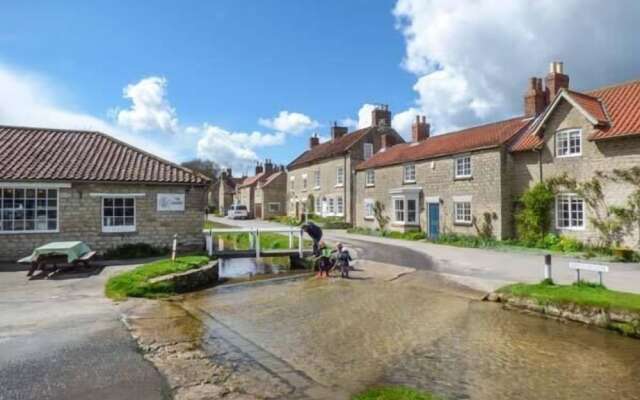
(422,332)
(249,267)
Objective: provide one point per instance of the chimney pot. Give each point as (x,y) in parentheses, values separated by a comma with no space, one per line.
(555,80)
(420,129)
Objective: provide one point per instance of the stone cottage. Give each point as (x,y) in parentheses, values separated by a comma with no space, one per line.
(226,190)
(67,185)
(271,196)
(579,134)
(442,183)
(246,190)
(320,180)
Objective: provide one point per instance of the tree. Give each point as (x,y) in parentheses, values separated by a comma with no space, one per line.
(378,212)
(208,168)
(534,219)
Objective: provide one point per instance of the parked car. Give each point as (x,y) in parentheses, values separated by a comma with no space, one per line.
(238,211)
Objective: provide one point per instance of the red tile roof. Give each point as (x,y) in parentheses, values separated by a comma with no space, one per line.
(333,148)
(616,109)
(474,138)
(271,178)
(68,155)
(251,180)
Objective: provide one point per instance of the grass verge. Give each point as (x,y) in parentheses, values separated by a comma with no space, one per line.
(135,283)
(582,293)
(393,393)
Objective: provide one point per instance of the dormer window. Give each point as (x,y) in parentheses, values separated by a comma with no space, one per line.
(368,150)
(569,143)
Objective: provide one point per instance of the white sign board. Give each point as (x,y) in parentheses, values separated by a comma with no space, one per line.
(589,267)
(170,201)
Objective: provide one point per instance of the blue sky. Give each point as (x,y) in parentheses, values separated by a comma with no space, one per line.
(194,78)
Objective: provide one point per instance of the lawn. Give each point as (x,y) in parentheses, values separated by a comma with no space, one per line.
(585,294)
(393,393)
(135,283)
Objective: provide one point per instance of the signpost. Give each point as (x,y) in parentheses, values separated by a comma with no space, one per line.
(589,267)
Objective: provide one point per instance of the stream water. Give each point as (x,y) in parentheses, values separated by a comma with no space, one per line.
(425,332)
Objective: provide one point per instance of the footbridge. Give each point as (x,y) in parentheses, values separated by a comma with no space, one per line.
(216,244)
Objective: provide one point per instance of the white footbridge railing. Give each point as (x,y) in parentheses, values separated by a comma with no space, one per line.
(254,239)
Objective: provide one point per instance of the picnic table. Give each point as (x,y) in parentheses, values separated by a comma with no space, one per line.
(59,255)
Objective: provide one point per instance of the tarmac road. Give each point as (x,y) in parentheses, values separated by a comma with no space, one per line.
(62,339)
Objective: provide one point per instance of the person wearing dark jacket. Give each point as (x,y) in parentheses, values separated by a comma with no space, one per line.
(315,232)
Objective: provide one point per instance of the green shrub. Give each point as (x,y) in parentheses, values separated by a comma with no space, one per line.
(134,250)
(568,244)
(533,220)
(393,393)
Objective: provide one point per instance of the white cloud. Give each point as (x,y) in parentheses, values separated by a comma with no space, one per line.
(472,58)
(349,123)
(402,122)
(150,109)
(236,150)
(364,115)
(31,100)
(289,122)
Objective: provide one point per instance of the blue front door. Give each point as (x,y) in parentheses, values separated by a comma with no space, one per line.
(434,220)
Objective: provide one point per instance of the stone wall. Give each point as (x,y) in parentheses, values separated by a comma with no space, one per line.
(436,180)
(621,153)
(275,192)
(80,219)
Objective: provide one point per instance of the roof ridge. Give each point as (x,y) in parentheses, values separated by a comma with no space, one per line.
(478,126)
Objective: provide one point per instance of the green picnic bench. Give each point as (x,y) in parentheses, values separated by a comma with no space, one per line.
(60,255)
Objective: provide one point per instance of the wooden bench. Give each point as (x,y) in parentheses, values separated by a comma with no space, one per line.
(59,262)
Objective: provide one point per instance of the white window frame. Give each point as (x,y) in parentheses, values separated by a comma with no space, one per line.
(370,177)
(368,150)
(316,178)
(292,181)
(369,205)
(460,166)
(270,207)
(339,176)
(304,182)
(461,219)
(46,208)
(409,173)
(404,197)
(571,197)
(339,206)
(330,206)
(118,228)
(318,206)
(563,139)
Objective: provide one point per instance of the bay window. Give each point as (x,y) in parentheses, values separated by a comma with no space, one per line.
(27,210)
(398,210)
(405,205)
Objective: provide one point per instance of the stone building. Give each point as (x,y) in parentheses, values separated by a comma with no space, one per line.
(438,184)
(320,180)
(271,196)
(226,190)
(579,134)
(66,185)
(450,182)
(246,191)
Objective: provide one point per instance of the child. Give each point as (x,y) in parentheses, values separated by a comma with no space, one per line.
(342,260)
(324,259)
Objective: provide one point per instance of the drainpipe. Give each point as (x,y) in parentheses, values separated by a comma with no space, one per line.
(540,164)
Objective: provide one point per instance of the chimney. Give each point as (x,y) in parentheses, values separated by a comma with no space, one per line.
(227,173)
(555,80)
(268,166)
(386,141)
(534,98)
(338,131)
(314,141)
(381,116)
(259,168)
(420,129)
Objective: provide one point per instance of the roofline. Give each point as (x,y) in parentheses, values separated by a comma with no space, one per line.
(432,157)
(108,136)
(564,94)
(105,181)
(613,85)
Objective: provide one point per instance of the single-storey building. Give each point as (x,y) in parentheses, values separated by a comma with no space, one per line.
(67,185)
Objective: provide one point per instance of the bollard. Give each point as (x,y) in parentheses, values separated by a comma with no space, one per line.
(547,267)
(173,249)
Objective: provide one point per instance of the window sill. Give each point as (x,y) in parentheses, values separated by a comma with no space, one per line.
(570,156)
(316,188)
(130,230)
(339,185)
(408,182)
(369,218)
(370,185)
(463,178)
(571,229)
(26,232)
(462,223)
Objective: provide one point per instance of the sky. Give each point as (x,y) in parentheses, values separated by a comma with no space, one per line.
(239,81)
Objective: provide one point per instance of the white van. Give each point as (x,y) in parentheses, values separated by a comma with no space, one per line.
(238,211)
